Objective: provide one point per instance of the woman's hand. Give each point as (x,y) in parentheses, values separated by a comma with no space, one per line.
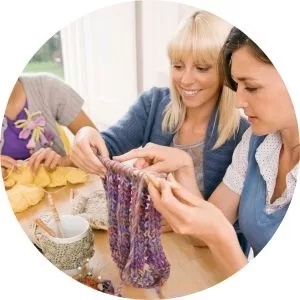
(188,214)
(164,159)
(88,141)
(8,162)
(48,157)
(157,158)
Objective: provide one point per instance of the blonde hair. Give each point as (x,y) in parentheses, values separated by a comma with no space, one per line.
(201,36)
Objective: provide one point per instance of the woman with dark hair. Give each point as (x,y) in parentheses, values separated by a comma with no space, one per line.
(258,185)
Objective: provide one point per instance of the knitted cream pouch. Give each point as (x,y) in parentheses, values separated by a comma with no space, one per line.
(72,251)
(92,207)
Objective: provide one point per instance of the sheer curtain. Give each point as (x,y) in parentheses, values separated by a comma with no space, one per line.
(113,54)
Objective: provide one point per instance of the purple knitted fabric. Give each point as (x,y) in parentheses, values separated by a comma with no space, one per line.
(134,228)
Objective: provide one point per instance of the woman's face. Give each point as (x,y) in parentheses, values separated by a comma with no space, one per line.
(198,85)
(261,93)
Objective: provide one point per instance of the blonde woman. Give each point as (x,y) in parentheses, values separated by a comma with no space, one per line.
(196,114)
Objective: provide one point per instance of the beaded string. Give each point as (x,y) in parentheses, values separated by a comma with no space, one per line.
(134,227)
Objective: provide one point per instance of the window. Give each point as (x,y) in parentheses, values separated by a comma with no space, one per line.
(48,58)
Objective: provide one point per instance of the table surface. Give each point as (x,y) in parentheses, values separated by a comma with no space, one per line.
(192,268)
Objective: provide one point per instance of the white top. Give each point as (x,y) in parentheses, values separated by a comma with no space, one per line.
(267,157)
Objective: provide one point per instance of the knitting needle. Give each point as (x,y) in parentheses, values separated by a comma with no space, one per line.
(40,223)
(56,216)
(157,181)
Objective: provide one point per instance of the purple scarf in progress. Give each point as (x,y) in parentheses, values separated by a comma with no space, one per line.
(134,228)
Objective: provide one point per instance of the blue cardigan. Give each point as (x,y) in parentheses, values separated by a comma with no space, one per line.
(143,124)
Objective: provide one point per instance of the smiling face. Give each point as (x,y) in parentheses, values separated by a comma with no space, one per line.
(197,84)
(193,53)
(261,93)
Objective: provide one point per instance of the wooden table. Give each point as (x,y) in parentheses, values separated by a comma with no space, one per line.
(192,268)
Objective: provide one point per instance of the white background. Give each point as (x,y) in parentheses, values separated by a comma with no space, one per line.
(26,25)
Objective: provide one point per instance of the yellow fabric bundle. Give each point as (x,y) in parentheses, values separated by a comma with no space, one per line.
(22,197)
(26,189)
(41,178)
(22,176)
(45,178)
(63,175)
(9,182)
(75,176)
(58,177)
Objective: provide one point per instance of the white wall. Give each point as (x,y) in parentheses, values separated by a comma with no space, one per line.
(113,54)
(159,20)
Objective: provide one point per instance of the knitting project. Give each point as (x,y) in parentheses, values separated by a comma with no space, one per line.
(134,227)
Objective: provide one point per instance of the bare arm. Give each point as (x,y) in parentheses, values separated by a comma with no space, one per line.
(227,201)
(227,253)
(223,197)
(186,177)
(80,121)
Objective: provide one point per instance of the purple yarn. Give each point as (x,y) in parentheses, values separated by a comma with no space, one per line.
(134,228)
(109,184)
(123,221)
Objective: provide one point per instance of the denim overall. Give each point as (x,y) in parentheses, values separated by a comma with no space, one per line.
(257,225)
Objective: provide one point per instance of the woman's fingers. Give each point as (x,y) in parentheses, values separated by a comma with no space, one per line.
(8,162)
(51,156)
(145,153)
(141,163)
(168,199)
(55,161)
(86,159)
(38,157)
(99,144)
(163,199)
(79,160)
(157,201)
(183,194)
(87,143)
(154,180)
(186,197)
(175,213)
(4,172)
(159,158)
(33,160)
(159,167)
(45,156)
